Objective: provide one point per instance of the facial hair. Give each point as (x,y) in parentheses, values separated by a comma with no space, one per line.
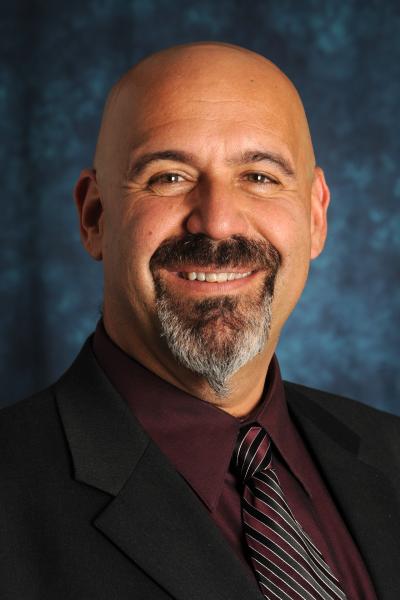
(216,336)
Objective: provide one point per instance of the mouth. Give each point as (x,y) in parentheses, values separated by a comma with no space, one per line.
(213,276)
(210,280)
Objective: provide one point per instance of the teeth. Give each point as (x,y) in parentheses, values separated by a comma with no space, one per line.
(213,277)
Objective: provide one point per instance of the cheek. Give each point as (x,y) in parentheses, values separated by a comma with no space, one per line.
(286,225)
(143,227)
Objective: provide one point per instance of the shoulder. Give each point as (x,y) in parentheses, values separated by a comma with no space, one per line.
(34,422)
(360,418)
(340,405)
(31,437)
(27,415)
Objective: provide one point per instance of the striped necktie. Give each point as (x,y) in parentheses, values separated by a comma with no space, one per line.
(287,564)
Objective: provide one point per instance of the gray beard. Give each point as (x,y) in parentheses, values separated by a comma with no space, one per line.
(215,337)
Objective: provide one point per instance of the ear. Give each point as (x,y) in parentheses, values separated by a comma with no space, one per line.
(320,197)
(90,210)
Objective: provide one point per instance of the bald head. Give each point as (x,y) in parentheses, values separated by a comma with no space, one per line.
(184,80)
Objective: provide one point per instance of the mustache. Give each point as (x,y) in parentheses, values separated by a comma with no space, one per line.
(237,251)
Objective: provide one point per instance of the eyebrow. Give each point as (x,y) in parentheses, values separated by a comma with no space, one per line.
(250,156)
(142,162)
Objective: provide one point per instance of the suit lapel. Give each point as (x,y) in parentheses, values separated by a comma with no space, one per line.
(161,525)
(365,495)
(153,516)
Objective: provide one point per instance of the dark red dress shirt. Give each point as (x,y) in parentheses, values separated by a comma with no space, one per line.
(198,439)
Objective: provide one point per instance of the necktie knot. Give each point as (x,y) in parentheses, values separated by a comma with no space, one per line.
(252,452)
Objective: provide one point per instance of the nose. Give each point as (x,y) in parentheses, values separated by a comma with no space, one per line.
(217,211)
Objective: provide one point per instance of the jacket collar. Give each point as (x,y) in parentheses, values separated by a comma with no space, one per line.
(361,489)
(153,516)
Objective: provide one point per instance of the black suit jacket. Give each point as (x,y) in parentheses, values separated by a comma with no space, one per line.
(90,508)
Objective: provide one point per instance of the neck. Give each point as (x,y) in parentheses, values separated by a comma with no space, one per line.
(245,387)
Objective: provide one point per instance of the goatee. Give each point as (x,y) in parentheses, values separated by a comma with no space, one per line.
(216,336)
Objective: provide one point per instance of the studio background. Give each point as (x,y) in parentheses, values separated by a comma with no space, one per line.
(58,61)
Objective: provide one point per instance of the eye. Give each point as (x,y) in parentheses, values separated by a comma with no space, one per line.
(167,178)
(169,183)
(260,178)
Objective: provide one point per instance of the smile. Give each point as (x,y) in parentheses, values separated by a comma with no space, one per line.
(213,277)
(195,280)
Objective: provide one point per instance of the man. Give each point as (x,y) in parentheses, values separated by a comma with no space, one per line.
(171,461)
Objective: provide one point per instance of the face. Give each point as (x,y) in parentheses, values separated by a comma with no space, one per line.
(207,231)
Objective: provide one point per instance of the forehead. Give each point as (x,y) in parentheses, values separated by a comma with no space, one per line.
(219,117)
(211,103)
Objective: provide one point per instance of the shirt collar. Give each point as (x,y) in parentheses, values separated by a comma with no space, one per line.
(197,437)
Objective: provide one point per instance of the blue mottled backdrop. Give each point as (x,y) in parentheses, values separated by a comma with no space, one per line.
(59,59)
